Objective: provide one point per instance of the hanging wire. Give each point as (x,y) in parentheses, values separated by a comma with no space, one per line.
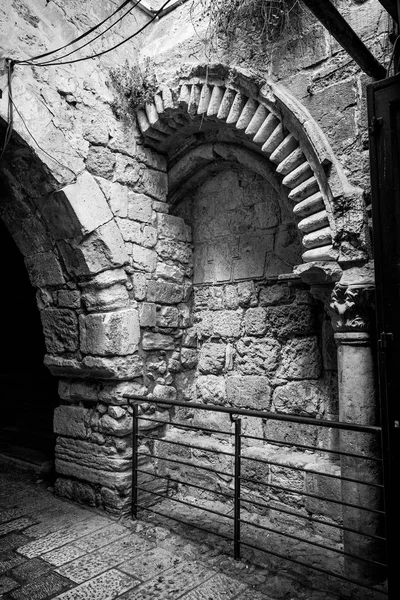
(98,54)
(10,113)
(86,33)
(51,62)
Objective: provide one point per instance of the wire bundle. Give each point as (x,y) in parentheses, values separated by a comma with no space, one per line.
(36,61)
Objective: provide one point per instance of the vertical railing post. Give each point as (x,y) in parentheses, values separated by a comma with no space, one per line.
(236,512)
(135,439)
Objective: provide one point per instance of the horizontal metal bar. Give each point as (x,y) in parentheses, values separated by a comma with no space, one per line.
(181,462)
(194,427)
(312,519)
(214,512)
(190,446)
(260,414)
(314,568)
(311,543)
(313,448)
(302,493)
(199,487)
(339,477)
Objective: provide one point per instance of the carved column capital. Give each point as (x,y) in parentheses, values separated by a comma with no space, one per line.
(352,307)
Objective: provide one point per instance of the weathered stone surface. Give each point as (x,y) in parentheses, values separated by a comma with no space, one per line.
(70,421)
(174,273)
(211,389)
(111,298)
(102,587)
(171,249)
(301,359)
(68,299)
(219,587)
(276,294)
(147,314)
(44,586)
(257,356)
(139,283)
(302,397)
(185,384)
(114,393)
(164,392)
(157,341)
(226,323)
(173,227)
(249,391)
(167,316)
(150,564)
(212,358)
(189,357)
(44,269)
(110,333)
(154,184)
(106,279)
(286,321)
(60,328)
(254,321)
(119,199)
(143,259)
(164,292)
(140,207)
(100,161)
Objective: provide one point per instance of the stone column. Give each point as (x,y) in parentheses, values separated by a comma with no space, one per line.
(351,307)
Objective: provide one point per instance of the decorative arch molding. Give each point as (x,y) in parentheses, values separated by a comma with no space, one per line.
(269,121)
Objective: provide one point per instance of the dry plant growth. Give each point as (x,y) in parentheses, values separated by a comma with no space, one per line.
(136,85)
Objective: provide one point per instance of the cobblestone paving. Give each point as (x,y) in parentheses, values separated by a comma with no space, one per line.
(52,549)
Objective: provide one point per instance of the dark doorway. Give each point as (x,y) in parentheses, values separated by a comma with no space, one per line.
(28,392)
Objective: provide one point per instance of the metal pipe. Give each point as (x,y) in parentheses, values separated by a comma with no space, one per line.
(337,26)
(135,439)
(236,505)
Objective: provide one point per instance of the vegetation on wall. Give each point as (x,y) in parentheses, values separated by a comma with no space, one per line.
(136,85)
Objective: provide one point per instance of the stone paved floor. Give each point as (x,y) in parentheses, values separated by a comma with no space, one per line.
(51,548)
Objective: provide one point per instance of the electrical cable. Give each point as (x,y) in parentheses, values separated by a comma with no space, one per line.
(83,35)
(69,62)
(50,62)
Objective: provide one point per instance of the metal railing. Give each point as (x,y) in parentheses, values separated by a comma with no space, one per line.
(358,527)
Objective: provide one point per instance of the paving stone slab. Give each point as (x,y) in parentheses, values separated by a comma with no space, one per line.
(11,513)
(218,587)
(93,564)
(9,560)
(64,554)
(21,523)
(106,586)
(31,569)
(253,595)
(150,564)
(101,538)
(172,584)
(63,536)
(13,541)
(56,518)
(7,584)
(42,588)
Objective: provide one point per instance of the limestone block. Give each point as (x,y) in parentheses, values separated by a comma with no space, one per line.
(185,384)
(301,359)
(127,170)
(189,358)
(119,199)
(147,314)
(212,358)
(120,480)
(249,391)
(167,316)
(211,389)
(68,299)
(276,294)
(83,391)
(253,249)
(102,249)
(205,324)
(291,433)
(164,292)
(157,341)
(79,208)
(184,315)
(247,293)
(110,333)
(154,183)
(143,259)
(190,338)
(60,328)
(96,132)
(75,490)
(257,356)
(174,228)
(254,322)
(226,323)
(174,273)
(100,161)
(218,422)
(299,397)
(130,230)
(231,297)
(110,298)
(290,320)
(113,393)
(140,207)
(326,487)
(164,392)
(116,412)
(170,249)
(139,283)
(118,367)
(115,426)
(44,269)
(70,421)
(161,207)
(106,279)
